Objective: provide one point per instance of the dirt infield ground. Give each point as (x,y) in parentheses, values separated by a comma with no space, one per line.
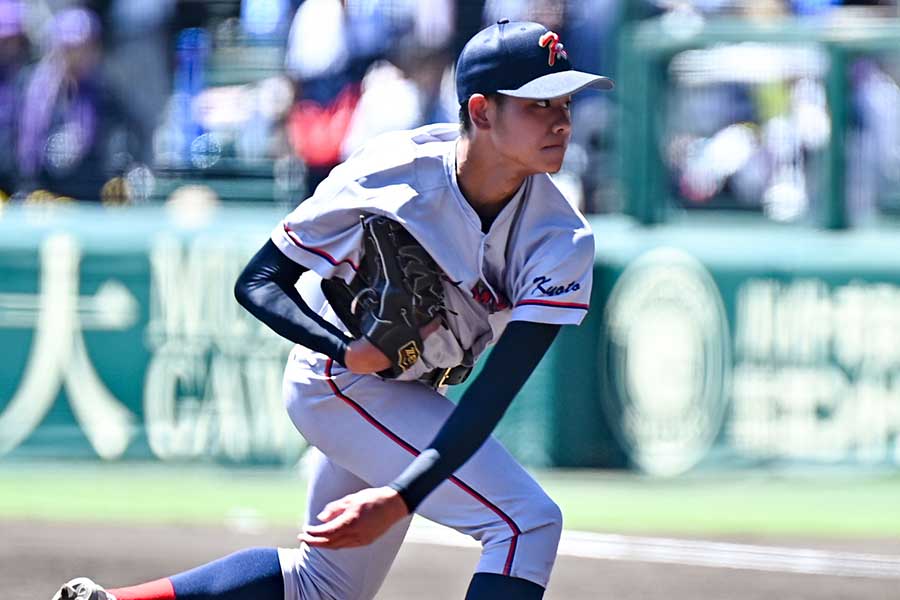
(36,556)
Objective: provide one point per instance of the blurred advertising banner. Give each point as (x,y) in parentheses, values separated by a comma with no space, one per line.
(121,338)
(742,346)
(707,346)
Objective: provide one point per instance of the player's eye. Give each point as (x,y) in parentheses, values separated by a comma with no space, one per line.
(543,103)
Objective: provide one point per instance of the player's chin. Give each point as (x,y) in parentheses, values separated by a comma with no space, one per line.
(551,164)
(552,158)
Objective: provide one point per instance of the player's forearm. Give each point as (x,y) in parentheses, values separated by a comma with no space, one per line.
(266,290)
(479,410)
(467,428)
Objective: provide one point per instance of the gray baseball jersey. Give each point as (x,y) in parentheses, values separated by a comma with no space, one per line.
(534,264)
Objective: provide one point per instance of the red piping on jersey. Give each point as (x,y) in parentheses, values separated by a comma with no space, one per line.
(317,251)
(553,303)
(412,450)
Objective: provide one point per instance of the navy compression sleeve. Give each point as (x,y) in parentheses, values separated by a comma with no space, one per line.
(509,365)
(266,289)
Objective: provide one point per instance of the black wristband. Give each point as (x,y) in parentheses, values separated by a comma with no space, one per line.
(415,483)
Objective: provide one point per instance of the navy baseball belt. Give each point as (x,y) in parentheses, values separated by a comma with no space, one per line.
(451,375)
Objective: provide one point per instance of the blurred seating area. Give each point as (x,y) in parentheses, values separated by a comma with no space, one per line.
(127,101)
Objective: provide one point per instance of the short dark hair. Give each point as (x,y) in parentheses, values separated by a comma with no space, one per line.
(465,119)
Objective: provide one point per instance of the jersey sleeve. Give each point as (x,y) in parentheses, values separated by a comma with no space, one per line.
(554,285)
(323,233)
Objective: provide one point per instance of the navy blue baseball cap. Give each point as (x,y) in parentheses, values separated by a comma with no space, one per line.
(520,59)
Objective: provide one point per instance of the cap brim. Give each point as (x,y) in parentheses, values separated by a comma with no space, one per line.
(555,85)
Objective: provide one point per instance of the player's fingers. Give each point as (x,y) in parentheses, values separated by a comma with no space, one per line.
(342,537)
(346,536)
(331,544)
(325,529)
(331,510)
(331,527)
(326,537)
(313,540)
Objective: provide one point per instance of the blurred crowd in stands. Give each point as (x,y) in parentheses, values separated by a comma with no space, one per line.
(125,101)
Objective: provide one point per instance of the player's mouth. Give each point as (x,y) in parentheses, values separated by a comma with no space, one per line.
(556,142)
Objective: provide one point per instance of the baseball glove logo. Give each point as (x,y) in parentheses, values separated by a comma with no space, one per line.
(407,355)
(550,40)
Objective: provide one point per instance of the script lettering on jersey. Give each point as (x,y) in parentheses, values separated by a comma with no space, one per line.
(542,285)
(482,294)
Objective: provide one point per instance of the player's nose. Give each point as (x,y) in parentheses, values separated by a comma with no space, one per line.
(562,125)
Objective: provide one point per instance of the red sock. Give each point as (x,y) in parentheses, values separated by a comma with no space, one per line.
(161,589)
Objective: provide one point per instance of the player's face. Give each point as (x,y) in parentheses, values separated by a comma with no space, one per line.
(533,134)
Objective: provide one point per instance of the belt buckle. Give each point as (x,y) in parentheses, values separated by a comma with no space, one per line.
(445,375)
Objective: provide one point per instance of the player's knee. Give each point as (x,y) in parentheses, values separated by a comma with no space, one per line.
(540,521)
(534,548)
(547,516)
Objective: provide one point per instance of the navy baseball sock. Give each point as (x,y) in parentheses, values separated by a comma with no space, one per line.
(490,586)
(252,574)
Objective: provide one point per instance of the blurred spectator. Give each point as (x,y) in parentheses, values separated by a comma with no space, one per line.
(550,13)
(331,46)
(432,71)
(139,43)
(384,68)
(181,140)
(590,33)
(389,102)
(266,18)
(873,165)
(74,134)
(743,138)
(13,59)
(469,14)
(432,23)
(319,49)
(320,61)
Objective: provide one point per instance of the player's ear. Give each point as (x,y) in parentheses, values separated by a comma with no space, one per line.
(478,111)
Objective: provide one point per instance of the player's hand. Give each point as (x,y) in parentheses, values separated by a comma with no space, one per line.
(356,520)
(364,357)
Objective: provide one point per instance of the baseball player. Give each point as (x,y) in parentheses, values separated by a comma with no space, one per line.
(474,204)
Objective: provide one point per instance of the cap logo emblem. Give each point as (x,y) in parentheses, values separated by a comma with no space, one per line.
(551,41)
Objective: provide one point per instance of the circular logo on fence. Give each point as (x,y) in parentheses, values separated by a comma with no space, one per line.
(665,361)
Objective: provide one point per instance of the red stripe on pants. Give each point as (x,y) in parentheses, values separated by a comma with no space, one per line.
(507,567)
